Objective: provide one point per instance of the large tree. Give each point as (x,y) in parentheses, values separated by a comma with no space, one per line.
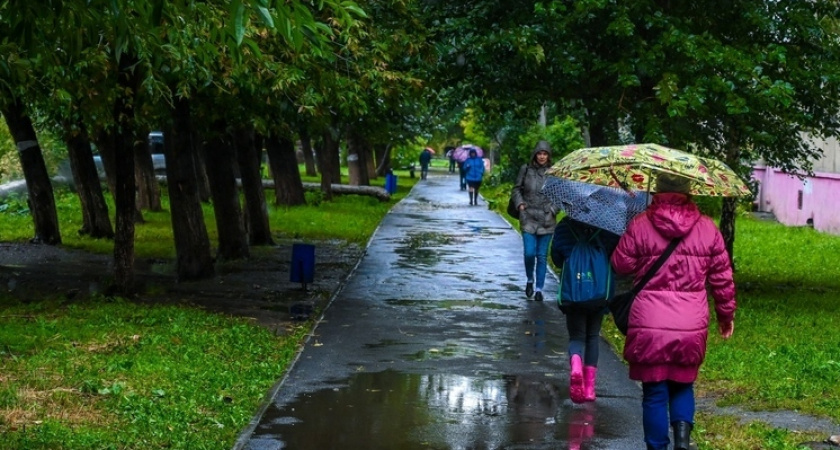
(737,81)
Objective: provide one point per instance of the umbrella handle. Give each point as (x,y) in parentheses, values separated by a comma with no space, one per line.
(620,183)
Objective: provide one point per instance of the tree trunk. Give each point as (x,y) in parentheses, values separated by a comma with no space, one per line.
(233,237)
(357,166)
(104,141)
(354,165)
(370,160)
(364,158)
(41,200)
(148,189)
(727,225)
(192,244)
(325,165)
(383,153)
(95,220)
(125,197)
(334,153)
(248,157)
(204,192)
(730,205)
(597,131)
(308,156)
(288,189)
(371,191)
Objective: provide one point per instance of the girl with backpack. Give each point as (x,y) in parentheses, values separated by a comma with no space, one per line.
(587,284)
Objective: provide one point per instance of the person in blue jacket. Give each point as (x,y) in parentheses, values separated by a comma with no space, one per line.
(584,324)
(473,174)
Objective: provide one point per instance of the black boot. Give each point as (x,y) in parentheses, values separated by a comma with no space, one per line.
(682,434)
(471,198)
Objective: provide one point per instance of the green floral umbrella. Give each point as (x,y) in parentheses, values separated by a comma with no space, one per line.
(634,167)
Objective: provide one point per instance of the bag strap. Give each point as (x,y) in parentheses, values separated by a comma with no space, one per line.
(520,185)
(659,261)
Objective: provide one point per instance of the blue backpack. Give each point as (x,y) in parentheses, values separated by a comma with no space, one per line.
(586,280)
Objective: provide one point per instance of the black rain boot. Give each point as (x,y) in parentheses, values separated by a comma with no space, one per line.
(471,198)
(682,435)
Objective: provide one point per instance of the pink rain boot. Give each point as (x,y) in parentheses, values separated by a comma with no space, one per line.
(589,374)
(576,380)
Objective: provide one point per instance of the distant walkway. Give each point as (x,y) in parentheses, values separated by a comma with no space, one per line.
(432,344)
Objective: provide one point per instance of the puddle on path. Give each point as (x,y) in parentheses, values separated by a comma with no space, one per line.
(397,410)
(424,248)
(426,305)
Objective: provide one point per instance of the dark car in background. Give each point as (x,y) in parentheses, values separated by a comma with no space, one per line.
(155,141)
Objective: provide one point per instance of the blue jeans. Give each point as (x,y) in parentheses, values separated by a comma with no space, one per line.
(584,334)
(536,254)
(664,403)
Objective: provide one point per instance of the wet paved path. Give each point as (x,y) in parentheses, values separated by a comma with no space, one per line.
(432,344)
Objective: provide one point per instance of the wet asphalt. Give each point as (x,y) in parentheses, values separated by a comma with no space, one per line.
(432,344)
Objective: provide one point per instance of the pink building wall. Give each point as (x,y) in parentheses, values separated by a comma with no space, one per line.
(794,201)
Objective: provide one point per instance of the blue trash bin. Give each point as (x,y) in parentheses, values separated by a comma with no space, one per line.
(303,264)
(391,183)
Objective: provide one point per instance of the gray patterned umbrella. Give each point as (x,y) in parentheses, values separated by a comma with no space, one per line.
(600,206)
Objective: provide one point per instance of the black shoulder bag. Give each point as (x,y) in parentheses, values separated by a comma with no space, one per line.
(513,209)
(621,303)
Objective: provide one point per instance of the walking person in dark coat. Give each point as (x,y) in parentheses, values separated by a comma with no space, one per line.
(537,218)
(448,152)
(424,159)
(462,173)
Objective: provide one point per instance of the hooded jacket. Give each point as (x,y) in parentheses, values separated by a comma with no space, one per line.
(473,167)
(540,215)
(669,320)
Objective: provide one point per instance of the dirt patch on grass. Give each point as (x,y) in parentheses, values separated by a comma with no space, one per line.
(258,288)
(62,404)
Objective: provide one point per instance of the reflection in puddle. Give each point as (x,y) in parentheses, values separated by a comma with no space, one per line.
(449,304)
(393,410)
(427,248)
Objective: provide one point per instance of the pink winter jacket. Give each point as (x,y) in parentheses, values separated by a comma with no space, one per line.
(669,320)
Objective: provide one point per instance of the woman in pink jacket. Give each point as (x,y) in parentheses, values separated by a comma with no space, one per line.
(669,320)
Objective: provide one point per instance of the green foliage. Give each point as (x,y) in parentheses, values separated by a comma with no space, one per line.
(563,135)
(9,161)
(474,132)
(14,205)
(407,154)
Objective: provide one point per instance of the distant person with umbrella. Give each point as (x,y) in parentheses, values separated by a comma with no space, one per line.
(449,154)
(537,218)
(473,174)
(424,159)
(669,320)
